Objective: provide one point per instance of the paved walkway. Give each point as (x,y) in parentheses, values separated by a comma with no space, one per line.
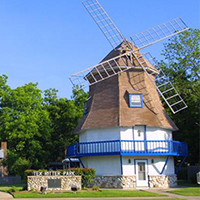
(170,195)
(6,196)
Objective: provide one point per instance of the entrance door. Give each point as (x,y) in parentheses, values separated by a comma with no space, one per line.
(139,135)
(141,173)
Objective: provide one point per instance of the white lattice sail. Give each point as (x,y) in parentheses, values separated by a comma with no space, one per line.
(158,33)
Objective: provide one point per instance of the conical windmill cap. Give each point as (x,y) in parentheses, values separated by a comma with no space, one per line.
(124,62)
(108,103)
(122,48)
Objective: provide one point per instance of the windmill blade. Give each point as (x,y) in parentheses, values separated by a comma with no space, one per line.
(169,93)
(102,71)
(109,68)
(158,33)
(104,22)
(124,62)
(163,85)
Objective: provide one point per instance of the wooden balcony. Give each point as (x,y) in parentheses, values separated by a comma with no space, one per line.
(128,147)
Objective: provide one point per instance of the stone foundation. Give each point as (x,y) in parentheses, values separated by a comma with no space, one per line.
(155,181)
(162,181)
(36,182)
(115,181)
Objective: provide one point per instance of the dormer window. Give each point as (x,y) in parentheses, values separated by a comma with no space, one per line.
(86,106)
(135,100)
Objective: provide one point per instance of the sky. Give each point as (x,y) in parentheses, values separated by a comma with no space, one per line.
(45,41)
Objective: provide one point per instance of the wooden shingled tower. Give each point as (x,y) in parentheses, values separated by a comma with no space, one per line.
(108,102)
(125,133)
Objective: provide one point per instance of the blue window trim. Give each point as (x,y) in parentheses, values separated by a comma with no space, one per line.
(131,106)
(121,163)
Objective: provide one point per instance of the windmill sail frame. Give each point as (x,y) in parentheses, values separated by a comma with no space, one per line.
(165,88)
(104,22)
(126,61)
(159,33)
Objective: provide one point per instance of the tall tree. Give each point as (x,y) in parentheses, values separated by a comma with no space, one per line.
(37,128)
(182,65)
(24,124)
(64,116)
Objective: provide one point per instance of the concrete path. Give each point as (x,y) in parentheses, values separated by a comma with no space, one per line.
(170,195)
(6,196)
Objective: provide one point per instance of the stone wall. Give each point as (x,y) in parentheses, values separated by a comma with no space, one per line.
(157,181)
(115,181)
(36,182)
(162,181)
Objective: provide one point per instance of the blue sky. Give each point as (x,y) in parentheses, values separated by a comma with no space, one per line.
(45,41)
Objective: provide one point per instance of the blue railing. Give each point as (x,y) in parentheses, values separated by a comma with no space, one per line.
(128,147)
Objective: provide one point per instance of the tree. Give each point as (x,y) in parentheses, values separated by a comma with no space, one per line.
(25,125)
(182,65)
(64,115)
(37,128)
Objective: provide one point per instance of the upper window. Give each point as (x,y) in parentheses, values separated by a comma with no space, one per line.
(86,106)
(135,100)
(85,111)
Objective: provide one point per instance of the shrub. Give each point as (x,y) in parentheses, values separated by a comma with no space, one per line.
(12,189)
(16,165)
(96,188)
(87,174)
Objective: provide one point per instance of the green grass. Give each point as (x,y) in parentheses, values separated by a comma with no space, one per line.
(102,193)
(6,188)
(194,191)
(186,183)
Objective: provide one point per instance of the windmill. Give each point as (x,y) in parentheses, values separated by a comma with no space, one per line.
(107,69)
(125,133)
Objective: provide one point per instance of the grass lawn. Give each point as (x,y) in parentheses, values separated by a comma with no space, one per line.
(194,191)
(17,187)
(102,193)
(186,183)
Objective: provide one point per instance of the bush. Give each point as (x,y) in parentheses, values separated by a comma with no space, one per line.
(87,174)
(96,188)
(16,165)
(12,189)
